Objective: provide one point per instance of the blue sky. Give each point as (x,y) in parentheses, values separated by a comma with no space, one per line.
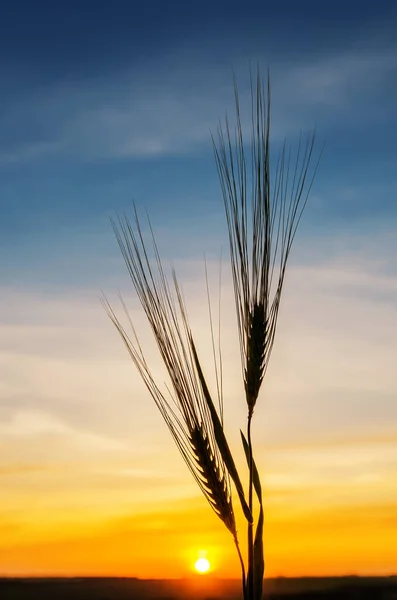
(106,103)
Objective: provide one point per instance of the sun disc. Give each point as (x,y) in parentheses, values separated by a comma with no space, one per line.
(202,565)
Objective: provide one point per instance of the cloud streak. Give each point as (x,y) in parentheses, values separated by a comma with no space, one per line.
(142,115)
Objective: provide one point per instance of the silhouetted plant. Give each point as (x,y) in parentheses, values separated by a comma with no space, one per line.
(262,221)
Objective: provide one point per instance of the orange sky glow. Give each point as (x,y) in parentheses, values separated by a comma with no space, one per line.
(91,483)
(166,544)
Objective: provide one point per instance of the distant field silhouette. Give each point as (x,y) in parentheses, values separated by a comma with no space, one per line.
(343,588)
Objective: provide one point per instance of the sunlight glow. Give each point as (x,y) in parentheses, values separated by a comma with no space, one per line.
(202,565)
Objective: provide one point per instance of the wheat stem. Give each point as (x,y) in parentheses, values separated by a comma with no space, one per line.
(250,583)
(243,575)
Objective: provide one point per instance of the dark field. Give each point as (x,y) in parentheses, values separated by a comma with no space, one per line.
(346,588)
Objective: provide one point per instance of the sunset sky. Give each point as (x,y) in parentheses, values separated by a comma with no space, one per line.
(103,104)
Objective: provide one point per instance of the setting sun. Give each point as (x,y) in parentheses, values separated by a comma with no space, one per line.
(202,565)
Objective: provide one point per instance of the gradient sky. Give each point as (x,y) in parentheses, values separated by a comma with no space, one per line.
(106,103)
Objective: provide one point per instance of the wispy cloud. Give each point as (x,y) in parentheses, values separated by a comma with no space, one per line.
(337,80)
(136,114)
(332,370)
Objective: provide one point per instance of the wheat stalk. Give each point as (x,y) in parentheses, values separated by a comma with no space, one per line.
(261,232)
(262,223)
(190,414)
